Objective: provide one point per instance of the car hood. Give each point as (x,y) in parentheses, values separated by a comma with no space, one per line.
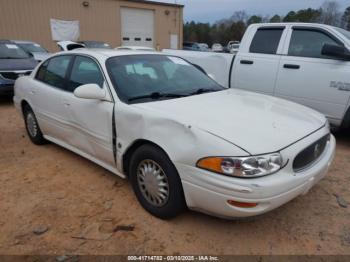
(17,64)
(257,123)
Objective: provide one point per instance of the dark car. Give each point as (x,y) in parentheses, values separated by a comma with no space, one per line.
(190,46)
(14,62)
(95,44)
(33,48)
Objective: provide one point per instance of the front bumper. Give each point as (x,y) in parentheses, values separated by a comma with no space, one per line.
(6,89)
(208,192)
(6,86)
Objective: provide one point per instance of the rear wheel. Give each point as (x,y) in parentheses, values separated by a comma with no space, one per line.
(156,182)
(32,126)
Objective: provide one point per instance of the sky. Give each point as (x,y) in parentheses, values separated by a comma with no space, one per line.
(214,10)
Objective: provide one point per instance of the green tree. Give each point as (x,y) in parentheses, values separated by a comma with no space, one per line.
(233,28)
(254,20)
(308,15)
(275,19)
(290,17)
(237,30)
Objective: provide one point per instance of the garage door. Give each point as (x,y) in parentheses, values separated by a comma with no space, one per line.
(137,27)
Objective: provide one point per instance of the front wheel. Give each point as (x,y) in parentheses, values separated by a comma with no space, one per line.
(32,126)
(156,182)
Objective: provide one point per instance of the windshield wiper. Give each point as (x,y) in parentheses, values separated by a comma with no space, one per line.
(156,96)
(204,90)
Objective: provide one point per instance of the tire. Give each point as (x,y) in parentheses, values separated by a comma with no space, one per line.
(32,126)
(147,161)
(346,120)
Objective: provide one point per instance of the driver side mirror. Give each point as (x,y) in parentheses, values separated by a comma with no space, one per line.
(336,51)
(90,91)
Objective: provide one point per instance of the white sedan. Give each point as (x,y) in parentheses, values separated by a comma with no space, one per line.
(180,138)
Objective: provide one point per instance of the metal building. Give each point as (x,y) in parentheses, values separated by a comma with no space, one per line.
(117,22)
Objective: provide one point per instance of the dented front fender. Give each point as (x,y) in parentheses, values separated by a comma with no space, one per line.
(182,142)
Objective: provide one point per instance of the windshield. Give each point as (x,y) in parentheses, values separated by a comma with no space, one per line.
(95,44)
(33,48)
(343,32)
(154,77)
(12,51)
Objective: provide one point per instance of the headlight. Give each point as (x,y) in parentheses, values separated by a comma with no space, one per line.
(245,167)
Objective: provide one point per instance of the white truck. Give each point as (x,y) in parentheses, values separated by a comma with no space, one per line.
(306,63)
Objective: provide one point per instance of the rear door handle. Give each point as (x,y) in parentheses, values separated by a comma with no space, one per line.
(66,104)
(247,62)
(32,92)
(290,66)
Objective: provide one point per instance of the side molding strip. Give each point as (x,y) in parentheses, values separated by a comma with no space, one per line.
(114,136)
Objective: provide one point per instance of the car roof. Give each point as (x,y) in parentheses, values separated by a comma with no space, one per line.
(131,47)
(294,24)
(23,42)
(106,53)
(5,41)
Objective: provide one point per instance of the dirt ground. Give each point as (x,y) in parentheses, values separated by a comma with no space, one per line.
(55,202)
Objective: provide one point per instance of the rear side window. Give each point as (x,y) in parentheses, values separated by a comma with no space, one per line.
(309,43)
(53,71)
(266,41)
(84,71)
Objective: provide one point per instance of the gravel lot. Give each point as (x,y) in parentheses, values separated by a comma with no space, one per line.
(55,202)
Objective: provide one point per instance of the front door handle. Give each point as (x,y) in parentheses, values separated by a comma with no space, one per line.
(247,62)
(291,66)
(66,104)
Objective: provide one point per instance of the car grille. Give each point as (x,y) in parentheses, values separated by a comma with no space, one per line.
(13,75)
(310,154)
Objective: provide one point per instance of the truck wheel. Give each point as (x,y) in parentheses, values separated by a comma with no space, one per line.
(156,182)
(32,126)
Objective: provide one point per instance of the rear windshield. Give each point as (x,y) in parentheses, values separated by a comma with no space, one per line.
(33,48)
(12,51)
(96,44)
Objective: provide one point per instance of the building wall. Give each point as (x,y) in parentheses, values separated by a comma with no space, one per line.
(101,21)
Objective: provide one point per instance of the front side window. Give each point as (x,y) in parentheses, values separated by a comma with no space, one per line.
(12,51)
(145,78)
(266,41)
(84,71)
(53,71)
(309,43)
